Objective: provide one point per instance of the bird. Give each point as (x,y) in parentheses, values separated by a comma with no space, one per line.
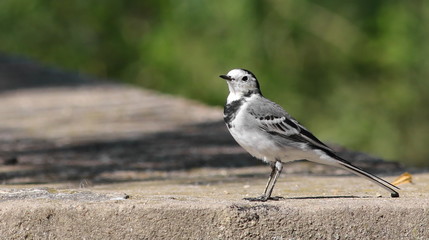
(266,131)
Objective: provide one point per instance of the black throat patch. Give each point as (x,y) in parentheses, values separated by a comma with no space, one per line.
(230,111)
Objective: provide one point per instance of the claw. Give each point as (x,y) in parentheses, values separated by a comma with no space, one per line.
(257,199)
(263,198)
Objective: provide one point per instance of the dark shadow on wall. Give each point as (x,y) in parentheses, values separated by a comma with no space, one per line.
(190,147)
(201,145)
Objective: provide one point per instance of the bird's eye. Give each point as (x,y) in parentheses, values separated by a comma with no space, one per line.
(244,78)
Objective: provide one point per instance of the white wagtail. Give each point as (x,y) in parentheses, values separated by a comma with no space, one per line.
(269,133)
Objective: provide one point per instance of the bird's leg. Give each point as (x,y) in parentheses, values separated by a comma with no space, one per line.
(278,166)
(276,169)
(271,178)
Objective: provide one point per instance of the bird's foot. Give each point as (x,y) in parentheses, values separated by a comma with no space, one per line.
(263,198)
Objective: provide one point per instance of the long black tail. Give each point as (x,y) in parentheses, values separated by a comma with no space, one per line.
(384,184)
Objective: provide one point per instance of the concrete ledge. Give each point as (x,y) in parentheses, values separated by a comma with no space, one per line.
(172,219)
(213,209)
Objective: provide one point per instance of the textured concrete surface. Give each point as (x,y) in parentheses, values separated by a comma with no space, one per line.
(86,159)
(196,207)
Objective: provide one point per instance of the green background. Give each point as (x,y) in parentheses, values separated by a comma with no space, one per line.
(353,72)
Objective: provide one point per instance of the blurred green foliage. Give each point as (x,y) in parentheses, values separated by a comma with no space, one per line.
(356,73)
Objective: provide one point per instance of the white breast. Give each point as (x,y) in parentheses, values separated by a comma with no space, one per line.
(245,131)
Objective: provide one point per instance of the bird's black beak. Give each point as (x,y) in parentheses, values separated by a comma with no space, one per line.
(226,77)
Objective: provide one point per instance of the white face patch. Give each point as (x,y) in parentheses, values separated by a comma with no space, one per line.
(236,73)
(243,83)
